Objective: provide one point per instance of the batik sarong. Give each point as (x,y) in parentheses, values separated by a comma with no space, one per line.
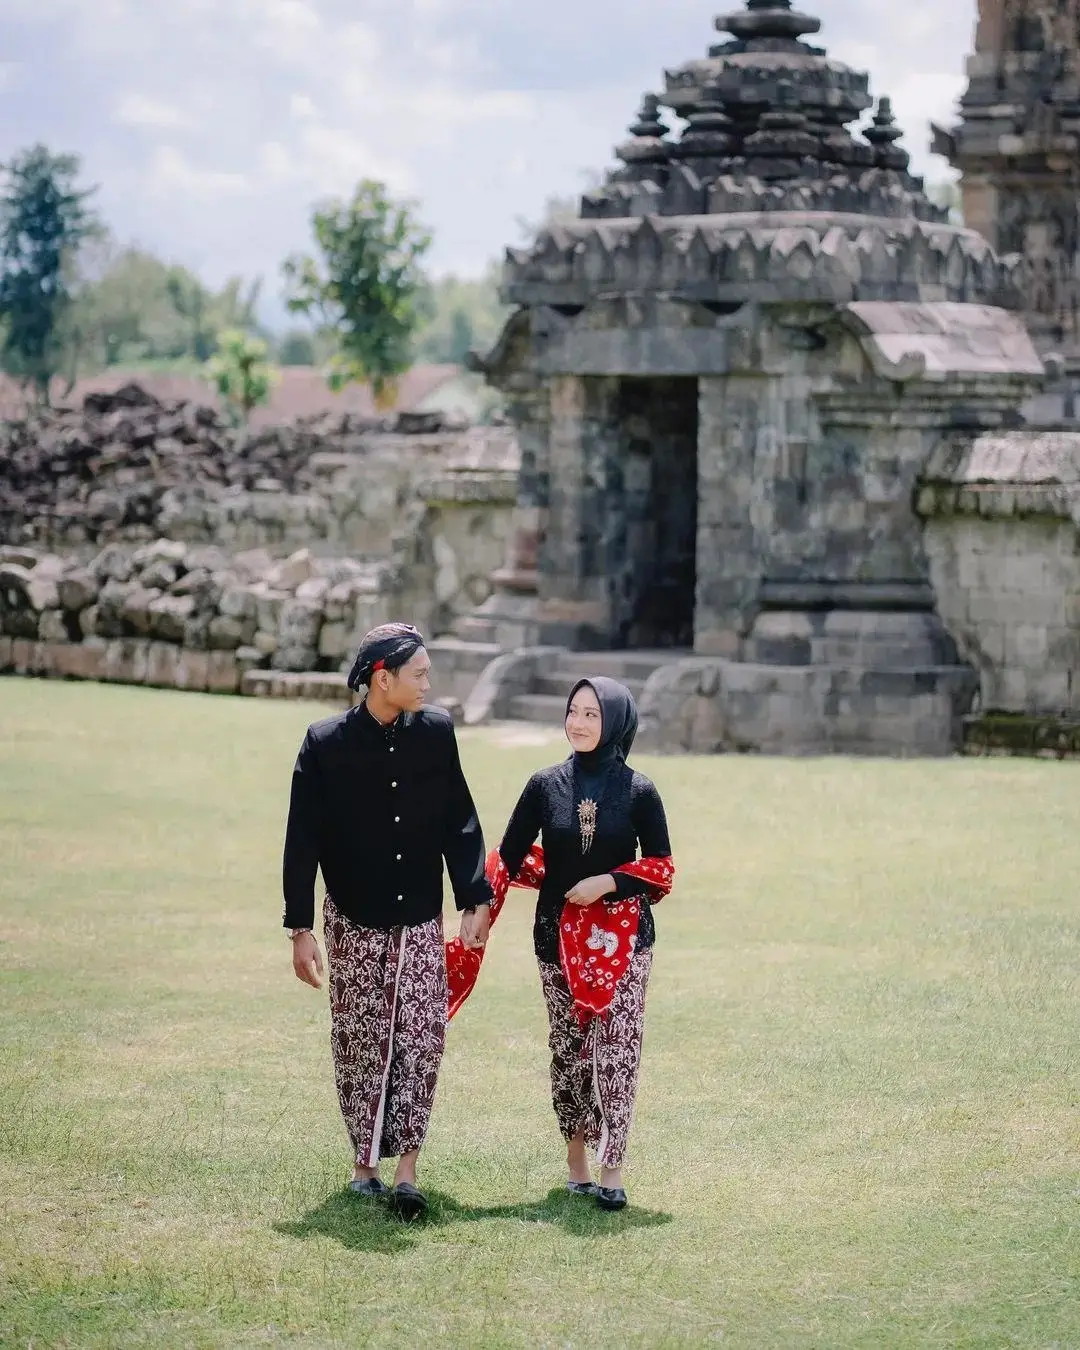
(594,1068)
(387,1030)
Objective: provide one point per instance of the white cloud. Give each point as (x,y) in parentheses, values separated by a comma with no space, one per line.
(172,173)
(288,30)
(214,125)
(139,110)
(302,107)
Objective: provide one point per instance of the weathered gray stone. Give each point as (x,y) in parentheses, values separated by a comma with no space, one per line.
(138,612)
(732,380)
(167,551)
(253,564)
(227,633)
(293,572)
(42,592)
(162,662)
(314,590)
(169,616)
(223,675)
(298,636)
(114,563)
(334,641)
(249,658)
(192,670)
(15,581)
(77,590)
(238,603)
(51,627)
(160,575)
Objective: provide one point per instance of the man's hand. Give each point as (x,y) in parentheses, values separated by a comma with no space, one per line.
(475,926)
(590,890)
(307,962)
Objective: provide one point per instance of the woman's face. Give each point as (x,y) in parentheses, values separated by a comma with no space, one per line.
(584,721)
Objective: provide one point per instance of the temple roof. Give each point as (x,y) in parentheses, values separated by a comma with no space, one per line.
(764,193)
(766,120)
(1021,108)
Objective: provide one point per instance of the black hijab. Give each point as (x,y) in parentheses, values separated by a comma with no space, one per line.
(619,723)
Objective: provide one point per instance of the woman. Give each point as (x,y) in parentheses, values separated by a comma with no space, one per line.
(593,933)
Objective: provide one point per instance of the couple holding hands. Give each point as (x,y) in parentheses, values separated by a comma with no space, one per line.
(379,802)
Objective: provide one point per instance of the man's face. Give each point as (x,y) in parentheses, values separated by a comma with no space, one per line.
(408,687)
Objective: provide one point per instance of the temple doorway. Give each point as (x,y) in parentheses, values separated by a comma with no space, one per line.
(653,579)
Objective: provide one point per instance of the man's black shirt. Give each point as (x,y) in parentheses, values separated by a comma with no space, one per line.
(378,809)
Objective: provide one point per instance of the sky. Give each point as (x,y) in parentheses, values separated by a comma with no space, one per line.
(211,127)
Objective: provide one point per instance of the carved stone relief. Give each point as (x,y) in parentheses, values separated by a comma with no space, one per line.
(1045,230)
(1051,26)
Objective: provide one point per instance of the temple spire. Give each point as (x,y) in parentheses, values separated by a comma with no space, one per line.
(883,133)
(647,145)
(768,20)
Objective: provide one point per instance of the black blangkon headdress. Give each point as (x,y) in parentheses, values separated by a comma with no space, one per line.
(388,647)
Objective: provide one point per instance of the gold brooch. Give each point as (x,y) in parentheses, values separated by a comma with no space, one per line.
(587,820)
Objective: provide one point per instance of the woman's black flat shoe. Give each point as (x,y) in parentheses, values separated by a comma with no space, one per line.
(608,1197)
(373,1187)
(408,1203)
(589,1188)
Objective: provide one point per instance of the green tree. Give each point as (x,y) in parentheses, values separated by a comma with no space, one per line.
(134,309)
(206,314)
(296,348)
(44,221)
(241,372)
(364,286)
(460,315)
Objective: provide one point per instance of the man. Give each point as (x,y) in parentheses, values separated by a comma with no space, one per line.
(379,800)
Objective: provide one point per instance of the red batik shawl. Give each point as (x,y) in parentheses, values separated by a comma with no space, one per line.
(595,941)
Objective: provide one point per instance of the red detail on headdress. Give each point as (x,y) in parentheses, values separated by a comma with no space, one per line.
(379,665)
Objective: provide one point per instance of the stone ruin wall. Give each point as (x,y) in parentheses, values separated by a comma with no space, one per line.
(1002,534)
(139,551)
(152,544)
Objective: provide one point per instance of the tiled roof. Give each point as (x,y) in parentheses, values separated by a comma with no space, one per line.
(300,392)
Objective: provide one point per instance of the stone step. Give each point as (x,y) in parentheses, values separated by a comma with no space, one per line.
(562,681)
(546,709)
(457,664)
(624,666)
(320,686)
(465,655)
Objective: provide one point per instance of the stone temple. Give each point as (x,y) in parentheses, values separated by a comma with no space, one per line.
(792,454)
(728,377)
(1017,145)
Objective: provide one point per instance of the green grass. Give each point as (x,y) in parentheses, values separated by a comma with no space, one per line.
(858,1119)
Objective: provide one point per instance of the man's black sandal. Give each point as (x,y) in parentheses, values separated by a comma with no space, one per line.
(372,1187)
(589,1188)
(408,1203)
(608,1197)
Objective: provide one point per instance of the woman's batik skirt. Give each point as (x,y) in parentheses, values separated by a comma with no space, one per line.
(387,1030)
(594,1071)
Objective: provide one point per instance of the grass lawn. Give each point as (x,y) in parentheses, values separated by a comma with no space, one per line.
(858,1120)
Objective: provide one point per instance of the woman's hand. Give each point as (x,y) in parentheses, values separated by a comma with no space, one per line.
(590,890)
